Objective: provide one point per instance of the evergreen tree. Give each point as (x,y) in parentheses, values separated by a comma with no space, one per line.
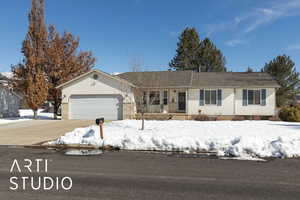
(29,75)
(193,54)
(283,69)
(210,58)
(187,48)
(64,63)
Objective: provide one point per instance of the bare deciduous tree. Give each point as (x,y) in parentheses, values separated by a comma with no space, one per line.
(142,101)
(141,104)
(136,64)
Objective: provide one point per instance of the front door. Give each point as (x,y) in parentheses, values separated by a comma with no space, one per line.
(181,101)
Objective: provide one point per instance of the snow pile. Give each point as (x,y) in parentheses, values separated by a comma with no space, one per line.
(11,120)
(25,115)
(243,139)
(28,113)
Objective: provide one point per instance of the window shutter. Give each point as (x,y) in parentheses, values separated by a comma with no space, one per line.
(245,96)
(263,97)
(219,96)
(201,99)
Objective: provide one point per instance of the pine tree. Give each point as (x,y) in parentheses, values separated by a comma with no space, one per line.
(209,58)
(196,55)
(187,48)
(64,62)
(283,69)
(29,75)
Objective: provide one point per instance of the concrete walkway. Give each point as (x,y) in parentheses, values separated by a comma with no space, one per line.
(35,131)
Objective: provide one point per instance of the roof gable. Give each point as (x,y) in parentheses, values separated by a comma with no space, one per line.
(94,71)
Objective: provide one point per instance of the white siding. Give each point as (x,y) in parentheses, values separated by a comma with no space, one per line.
(103,85)
(226,108)
(268,109)
(231,103)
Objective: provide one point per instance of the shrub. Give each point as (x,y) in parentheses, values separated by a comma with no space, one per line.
(264,117)
(200,118)
(212,118)
(238,118)
(223,117)
(274,118)
(256,118)
(290,113)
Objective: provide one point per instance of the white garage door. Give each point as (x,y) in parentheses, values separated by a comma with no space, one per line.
(95,106)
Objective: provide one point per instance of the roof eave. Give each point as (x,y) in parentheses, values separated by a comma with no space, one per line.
(96,71)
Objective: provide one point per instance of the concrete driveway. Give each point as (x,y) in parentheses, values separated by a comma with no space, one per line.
(36,131)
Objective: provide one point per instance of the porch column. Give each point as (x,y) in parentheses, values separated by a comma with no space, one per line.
(186,100)
(147,100)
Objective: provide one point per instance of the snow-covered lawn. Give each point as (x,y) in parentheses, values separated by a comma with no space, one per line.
(25,115)
(244,139)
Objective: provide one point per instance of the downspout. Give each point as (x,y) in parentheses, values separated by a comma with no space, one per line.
(234,101)
(187,101)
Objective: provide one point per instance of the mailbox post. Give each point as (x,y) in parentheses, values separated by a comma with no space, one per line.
(100,122)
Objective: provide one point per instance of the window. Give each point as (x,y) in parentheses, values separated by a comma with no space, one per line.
(213,97)
(257,97)
(207,96)
(250,97)
(254,97)
(154,97)
(165,98)
(210,97)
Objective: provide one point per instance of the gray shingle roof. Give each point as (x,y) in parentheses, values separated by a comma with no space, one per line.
(190,79)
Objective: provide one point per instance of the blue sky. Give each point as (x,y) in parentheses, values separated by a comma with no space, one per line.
(249,32)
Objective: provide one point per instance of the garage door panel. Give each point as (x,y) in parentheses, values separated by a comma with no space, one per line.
(93,106)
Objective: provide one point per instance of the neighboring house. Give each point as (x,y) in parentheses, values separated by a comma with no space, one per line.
(98,94)
(9,100)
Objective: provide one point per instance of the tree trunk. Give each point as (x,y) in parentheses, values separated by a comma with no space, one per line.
(55,109)
(54,115)
(34,114)
(143,122)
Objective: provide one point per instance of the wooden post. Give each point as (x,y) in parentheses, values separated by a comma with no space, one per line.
(101,130)
(100,122)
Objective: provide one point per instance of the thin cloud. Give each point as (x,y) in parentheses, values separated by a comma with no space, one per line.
(235,42)
(222,26)
(279,10)
(258,17)
(293,47)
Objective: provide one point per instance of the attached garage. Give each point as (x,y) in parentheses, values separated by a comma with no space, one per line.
(97,94)
(94,106)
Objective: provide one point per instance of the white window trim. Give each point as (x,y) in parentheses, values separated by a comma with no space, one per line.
(151,103)
(216,104)
(260,92)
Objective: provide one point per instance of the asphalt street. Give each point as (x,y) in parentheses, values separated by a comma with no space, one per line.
(142,175)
